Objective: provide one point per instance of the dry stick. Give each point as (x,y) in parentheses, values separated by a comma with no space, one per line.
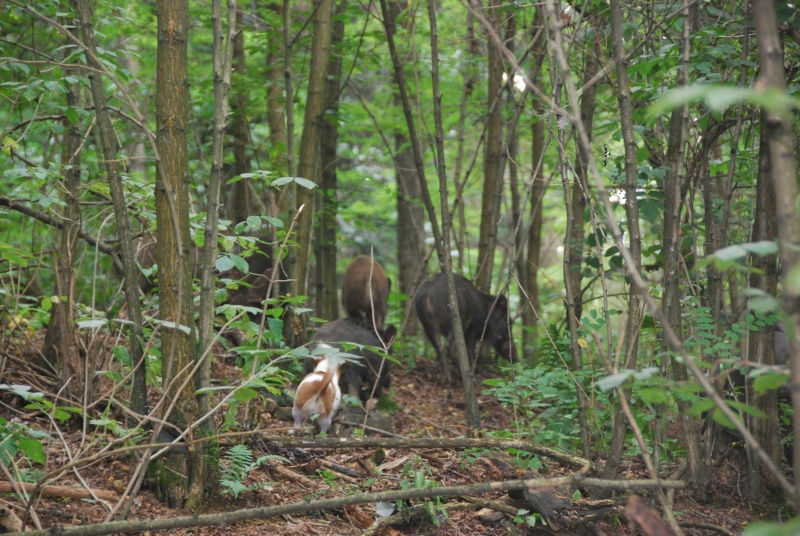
(67,492)
(576,479)
(372,429)
(18,487)
(68,451)
(53,222)
(669,334)
(426,443)
(141,468)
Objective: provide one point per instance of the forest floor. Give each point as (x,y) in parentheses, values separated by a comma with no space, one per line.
(425,410)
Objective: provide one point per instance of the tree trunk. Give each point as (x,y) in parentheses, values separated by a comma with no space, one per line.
(174,245)
(309,156)
(327,204)
(574,241)
(492,169)
(761,344)
(107,137)
(634,316)
(60,346)
(698,473)
(777,129)
(410,218)
(240,201)
(441,238)
(202,472)
(529,264)
(276,98)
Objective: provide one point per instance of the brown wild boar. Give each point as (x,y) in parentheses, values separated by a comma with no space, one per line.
(365,291)
(483,317)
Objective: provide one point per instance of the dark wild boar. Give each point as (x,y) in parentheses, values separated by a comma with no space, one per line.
(372,371)
(482,315)
(365,291)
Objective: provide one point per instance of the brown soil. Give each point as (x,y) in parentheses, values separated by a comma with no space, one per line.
(426,410)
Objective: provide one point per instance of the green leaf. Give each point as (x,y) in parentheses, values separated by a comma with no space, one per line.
(22,391)
(653,395)
(275,222)
(719,97)
(300,181)
(614,381)
(91,324)
(700,407)
(122,355)
(792,280)
(224,263)
(761,301)
(254,221)
(14,255)
(790,528)
(721,419)
(762,247)
(769,381)
(245,394)
(32,448)
(730,253)
(72,115)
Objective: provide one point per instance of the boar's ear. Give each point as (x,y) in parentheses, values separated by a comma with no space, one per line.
(502,302)
(389,333)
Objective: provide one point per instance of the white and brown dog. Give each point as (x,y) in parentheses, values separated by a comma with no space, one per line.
(319,394)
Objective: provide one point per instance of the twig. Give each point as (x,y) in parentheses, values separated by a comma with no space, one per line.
(576,479)
(67,492)
(427,442)
(372,429)
(706,526)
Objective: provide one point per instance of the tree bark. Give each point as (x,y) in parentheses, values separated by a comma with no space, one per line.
(240,201)
(174,244)
(529,264)
(574,242)
(777,129)
(309,156)
(410,216)
(108,139)
(761,344)
(492,169)
(634,316)
(60,345)
(326,202)
(698,473)
(202,472)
